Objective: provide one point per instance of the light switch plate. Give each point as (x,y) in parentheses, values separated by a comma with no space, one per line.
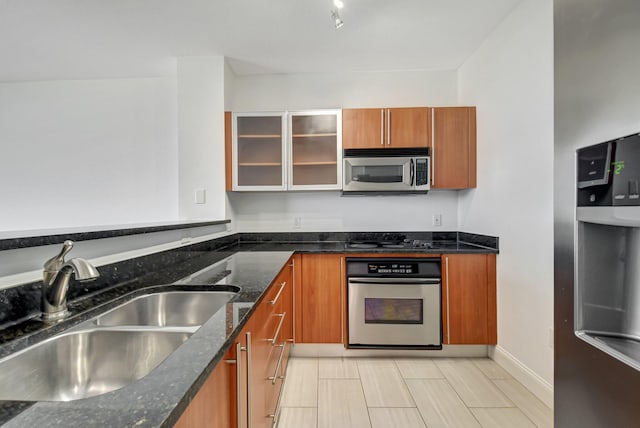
(200,196)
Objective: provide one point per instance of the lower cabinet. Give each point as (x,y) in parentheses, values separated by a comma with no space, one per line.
(469,299)
(271,340)
(244,388)
(214,405)
(319,298)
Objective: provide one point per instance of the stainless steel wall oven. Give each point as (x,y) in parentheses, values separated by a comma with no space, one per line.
(394,303)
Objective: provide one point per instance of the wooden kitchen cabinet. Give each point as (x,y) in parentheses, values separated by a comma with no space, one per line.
(247,383)
(319,299)
(453,149)
(215,403)
(362,128)
(386,127)
(469,299)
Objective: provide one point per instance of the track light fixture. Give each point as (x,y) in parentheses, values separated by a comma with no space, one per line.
(335,15)
(337,21)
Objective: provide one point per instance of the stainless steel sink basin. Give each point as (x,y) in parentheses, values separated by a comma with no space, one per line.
(83,364)
(171,308)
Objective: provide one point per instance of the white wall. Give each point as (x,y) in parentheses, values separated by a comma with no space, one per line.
(201,103)
(90,152)
(328,210)
(24,265)
(344,90)
(510,80)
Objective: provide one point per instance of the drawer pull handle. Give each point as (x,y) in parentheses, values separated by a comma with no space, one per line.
(275,374)
(275,336)
(249,371)
(275,299)
(237,362)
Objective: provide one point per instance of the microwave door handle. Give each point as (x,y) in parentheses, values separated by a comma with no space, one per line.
(412,172)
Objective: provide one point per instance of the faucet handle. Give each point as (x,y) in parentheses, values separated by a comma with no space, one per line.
(55,263)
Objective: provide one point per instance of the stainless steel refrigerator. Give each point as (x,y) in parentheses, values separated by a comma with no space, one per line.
(597,99)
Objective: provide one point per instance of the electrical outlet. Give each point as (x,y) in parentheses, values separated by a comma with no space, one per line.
(437,220)
(297,222)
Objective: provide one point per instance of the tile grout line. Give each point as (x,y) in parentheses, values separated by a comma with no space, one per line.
(517,407)
(460,397)
(363,394)
(404,381)
(317,392)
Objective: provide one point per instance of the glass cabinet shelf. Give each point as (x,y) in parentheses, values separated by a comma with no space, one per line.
(259,136)
(315,135)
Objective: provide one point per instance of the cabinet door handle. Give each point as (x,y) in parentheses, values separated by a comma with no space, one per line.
(248,349)
(275,336)
(388,127)
(275,299)
(382,126)
(446,269)
(275,374)
(238,384)
(433,146)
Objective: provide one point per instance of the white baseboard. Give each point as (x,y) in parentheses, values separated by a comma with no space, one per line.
(523,374)
(321,350)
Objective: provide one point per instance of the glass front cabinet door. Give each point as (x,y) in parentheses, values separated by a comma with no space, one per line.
(259,151)
(315,150)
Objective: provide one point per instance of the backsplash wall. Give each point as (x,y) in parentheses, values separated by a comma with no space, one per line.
(323,211)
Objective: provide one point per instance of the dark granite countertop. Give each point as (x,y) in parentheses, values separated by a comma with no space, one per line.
(340,247)
(250,261)
(35,238)
(159,398)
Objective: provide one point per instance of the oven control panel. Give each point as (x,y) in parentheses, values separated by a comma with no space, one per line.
(394,268)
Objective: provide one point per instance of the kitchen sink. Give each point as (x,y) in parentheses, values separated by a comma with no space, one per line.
(84,363)
(170,308)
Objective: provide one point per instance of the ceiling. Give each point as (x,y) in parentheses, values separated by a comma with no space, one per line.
(70,39)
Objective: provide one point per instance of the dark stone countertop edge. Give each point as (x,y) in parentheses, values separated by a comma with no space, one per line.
(36,241)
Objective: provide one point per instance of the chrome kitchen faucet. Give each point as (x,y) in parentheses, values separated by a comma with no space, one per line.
(55,282)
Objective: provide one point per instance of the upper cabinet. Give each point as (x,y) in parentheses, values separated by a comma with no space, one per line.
(259,151)
(386,127)
(303,150)
(315,150)
(453,148)
(280,151)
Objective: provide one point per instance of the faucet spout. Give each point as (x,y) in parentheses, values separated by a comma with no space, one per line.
(55,285)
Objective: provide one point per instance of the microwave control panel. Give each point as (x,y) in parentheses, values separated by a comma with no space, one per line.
(422,172)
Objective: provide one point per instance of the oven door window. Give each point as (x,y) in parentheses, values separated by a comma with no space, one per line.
(393,311)
(377,173)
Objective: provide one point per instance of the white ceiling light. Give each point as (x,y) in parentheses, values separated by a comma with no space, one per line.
(338,3)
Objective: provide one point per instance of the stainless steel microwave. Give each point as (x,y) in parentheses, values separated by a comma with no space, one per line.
(385,171)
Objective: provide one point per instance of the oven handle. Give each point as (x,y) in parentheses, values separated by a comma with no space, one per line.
(425,281)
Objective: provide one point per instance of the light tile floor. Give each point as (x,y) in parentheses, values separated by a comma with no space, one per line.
(407,393)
